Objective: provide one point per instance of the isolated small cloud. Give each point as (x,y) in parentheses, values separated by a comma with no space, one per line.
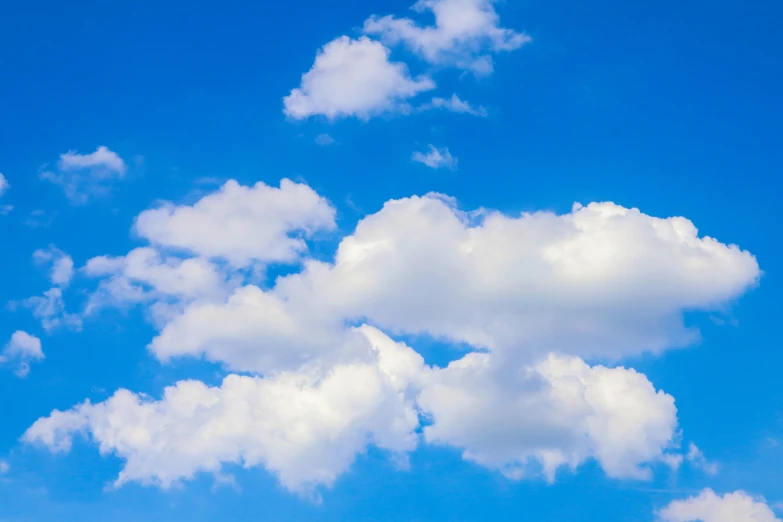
(455,104)
(698,460)
(83,176)
(22,349)
(324,140)
(4,467)
(49,308)
(61,264)
(4,185)
(710,507)
(436,158)
(353,78)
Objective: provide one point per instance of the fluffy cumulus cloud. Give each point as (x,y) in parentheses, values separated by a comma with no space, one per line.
(353,77)
(21,350)
(83,176)
(435,158)
(146,275)
(466,33)
(560,412)
(303,426)
(534,295)
(710,507)
(242,225)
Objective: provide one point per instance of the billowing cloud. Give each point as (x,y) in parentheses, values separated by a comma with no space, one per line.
(304,428)
(533,295)
(710,507)
(465,35)
(242,225)
(435,158)
(560,412)
(20,350)
(353,77)
(82,176)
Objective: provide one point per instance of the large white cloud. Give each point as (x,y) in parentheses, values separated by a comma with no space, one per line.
(240,224)
(602,281)
(353,77)
(533,294)
(710,507)
(306,427)
(465,33)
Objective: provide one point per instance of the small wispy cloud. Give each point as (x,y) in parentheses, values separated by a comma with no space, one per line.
(455,104)
(82,176)
(436,158)
(698,460)
(324,140)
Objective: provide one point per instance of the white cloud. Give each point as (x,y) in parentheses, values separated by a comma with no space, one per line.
(455,104)
(22,349)
(4,185)
(601,281)
(353,77)
(698,460)
(324,140)
(242,225)
(4,467)
(61,264)
(304,428)
(560,412)
(532,294)
(465,35)
(50,309)
(86,175)
(709,507)
(146,275)
(435,158)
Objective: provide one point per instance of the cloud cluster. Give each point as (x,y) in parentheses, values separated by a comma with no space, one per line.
(710,507)
(355,77)
(21,350)
(534,295)
(83,176)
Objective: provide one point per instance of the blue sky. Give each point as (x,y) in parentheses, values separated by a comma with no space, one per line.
(607,364)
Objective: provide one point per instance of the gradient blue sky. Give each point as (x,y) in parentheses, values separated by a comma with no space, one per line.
(670,107)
